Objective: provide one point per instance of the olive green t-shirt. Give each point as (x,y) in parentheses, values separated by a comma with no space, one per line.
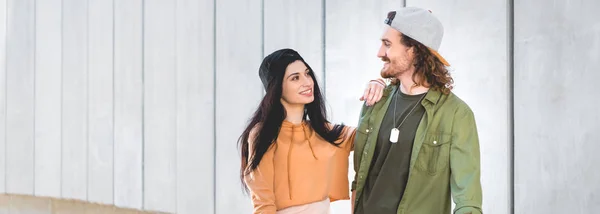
(391,162)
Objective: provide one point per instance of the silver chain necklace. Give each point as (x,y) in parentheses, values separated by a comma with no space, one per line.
(395,132)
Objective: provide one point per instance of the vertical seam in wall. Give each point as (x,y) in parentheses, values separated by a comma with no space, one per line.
(5,93)
(214,106)
(511,94)
(262,28)
(175,68)
(262,36)
(87,98)
(62,56)
(404,3)
(143,103)
(324,45)
(113,102)
(34,92)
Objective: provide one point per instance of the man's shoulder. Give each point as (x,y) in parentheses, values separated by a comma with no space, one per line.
(368,110)
(456,103)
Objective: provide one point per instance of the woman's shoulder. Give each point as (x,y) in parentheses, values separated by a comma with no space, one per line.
(345,130)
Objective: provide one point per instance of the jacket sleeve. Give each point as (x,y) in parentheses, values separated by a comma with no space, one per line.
(356,164)
(465,181)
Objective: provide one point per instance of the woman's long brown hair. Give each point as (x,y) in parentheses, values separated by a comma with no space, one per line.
(267,119)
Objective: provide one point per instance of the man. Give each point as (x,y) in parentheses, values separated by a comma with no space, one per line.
(419,145)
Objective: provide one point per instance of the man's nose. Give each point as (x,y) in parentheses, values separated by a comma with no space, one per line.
(381,53)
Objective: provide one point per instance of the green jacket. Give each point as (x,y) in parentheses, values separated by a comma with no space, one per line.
(444,160)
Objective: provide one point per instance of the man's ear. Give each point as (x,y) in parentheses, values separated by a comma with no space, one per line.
(411,52)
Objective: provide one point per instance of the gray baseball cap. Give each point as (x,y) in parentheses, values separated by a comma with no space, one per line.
(420,25)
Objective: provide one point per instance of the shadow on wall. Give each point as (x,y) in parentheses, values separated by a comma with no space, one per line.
(21,204)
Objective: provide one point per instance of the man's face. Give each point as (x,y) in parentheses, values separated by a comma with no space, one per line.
(397,57)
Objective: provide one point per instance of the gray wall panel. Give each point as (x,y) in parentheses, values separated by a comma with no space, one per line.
(48,93)
(297,25)
(100,99)
(195,106)
(556,107)
(20,74)
(475,44)
(3,11)
(74,99)
(353,29)
(238,56)
(160,106)
(128,94)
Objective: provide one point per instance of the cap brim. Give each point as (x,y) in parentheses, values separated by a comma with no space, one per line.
(439,57)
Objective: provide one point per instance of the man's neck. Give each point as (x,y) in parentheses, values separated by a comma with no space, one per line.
(407,85)
(294,113)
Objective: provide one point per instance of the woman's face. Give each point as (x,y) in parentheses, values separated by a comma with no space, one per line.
(297,86)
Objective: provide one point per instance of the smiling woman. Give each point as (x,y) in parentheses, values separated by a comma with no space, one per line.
(297,85)
(293,159)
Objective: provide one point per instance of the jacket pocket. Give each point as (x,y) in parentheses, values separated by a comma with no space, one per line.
(435,153)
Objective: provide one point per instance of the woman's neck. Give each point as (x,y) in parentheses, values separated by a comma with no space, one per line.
(294,113)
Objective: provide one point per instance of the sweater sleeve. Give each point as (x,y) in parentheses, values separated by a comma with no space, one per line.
(340,187)
(260,183)
(349,136)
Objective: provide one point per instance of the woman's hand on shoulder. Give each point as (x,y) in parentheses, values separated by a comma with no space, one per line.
(373,92)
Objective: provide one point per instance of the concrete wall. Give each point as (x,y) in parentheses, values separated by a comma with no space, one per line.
(107,102)
(139,104)
(238,55)
(557,122)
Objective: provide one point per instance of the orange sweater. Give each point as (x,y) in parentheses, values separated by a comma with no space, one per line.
(300,168)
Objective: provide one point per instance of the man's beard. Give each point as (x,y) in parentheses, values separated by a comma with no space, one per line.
(392,69)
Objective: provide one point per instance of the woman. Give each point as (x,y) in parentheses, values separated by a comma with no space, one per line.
(293,159)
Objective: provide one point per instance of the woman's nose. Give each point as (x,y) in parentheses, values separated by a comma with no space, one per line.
(308,81)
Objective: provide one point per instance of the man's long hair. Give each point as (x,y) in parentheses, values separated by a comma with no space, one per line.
(429,70)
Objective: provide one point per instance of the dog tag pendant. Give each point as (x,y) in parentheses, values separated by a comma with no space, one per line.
(394,135)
